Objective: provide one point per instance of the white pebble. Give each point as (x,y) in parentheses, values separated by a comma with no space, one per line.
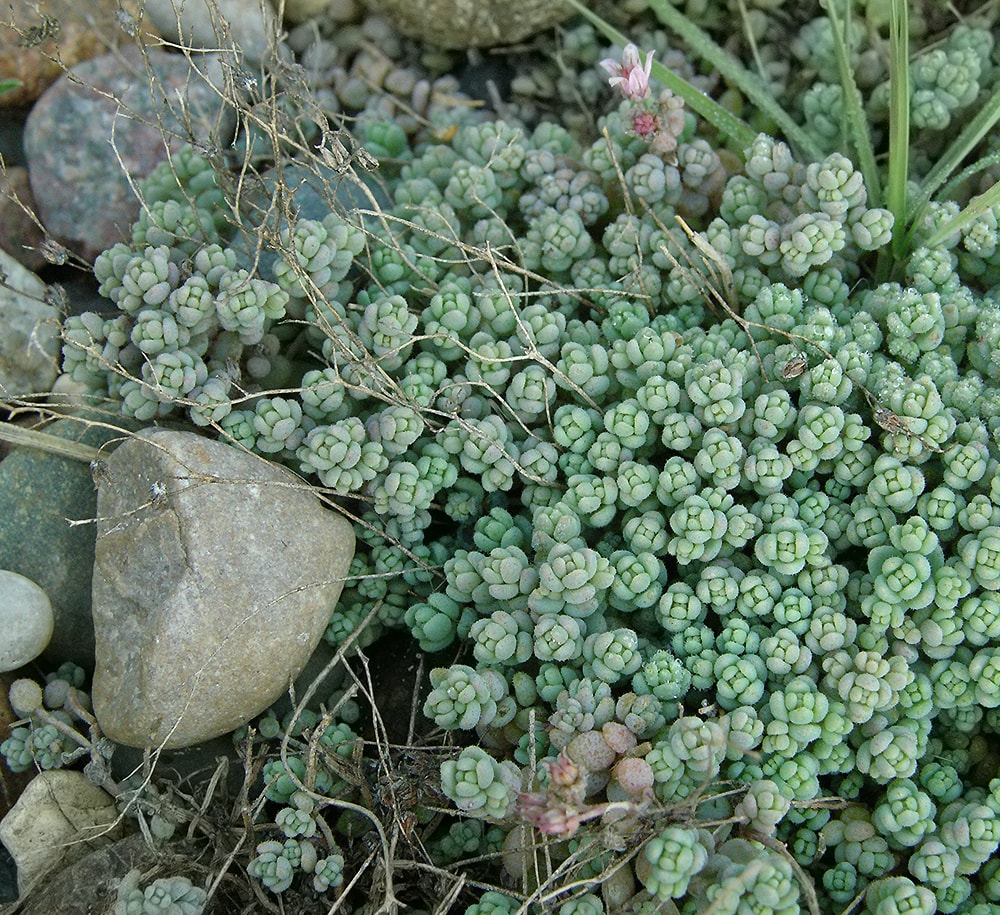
(26,620)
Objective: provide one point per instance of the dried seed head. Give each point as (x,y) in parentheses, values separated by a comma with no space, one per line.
(57,297)
(335,156)
(205,150)
(54,252)
(365,159)
(794,367)
(125,22)
(563,771)
(241,77)
(890,421)
(98,471)
(48,28)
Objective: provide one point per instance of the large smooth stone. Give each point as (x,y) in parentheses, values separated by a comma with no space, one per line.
(216,573)
(205,24)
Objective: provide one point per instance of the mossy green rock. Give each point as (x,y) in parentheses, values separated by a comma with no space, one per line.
(40,495)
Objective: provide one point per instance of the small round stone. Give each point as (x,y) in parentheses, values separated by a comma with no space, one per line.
(26,618)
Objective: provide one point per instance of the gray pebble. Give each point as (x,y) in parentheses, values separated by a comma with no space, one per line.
(26,620)
(81,145)
(29,341)
(204,24)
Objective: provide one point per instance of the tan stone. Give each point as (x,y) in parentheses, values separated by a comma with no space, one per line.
(58,819)
(470,23)
(216,574)
(84,30)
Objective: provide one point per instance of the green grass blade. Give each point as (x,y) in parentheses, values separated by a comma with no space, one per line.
(984,120)
(975,209)
(899,120)
(854,110)
(737,75)
(949,190)
(720,118)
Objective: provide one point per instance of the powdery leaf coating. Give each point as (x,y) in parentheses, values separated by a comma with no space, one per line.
(477,783)
(175,895)
(669,860)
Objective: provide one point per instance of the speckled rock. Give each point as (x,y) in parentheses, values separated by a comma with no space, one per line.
(470,23)
(29,344)
(58,819)
(215,576)
(26,614)
(20,237)
(245,24)
(77,175)
(40,494)
(84,31)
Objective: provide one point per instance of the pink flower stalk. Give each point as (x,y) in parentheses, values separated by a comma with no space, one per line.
(631,76)
(547,815)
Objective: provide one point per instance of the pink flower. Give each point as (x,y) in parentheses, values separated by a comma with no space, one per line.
(645,124)
(631,76)
(563,771)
